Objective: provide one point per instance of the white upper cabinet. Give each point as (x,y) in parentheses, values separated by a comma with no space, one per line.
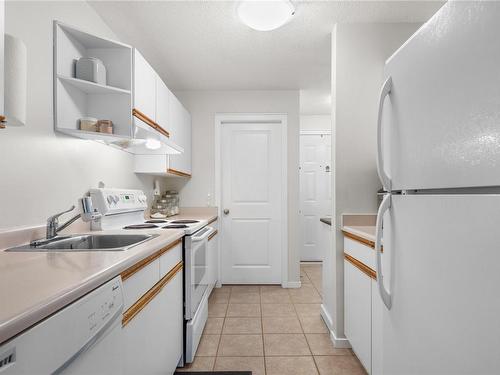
(2,30)
(163,107)
(180,120)
(144,87)
(151,109)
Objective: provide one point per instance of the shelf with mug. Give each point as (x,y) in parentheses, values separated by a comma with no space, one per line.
(76,98)
(91,87)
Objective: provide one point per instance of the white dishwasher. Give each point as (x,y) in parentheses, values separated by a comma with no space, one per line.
(83,338)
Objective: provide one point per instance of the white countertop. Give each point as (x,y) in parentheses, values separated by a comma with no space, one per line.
(367,232)
(34,285)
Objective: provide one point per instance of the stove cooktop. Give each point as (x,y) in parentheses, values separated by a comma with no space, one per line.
(175,226)
(141,226)
(184,222)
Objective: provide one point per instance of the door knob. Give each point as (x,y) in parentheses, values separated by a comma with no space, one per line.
(226,211)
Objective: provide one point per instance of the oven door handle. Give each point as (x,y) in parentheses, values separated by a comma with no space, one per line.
(203,234)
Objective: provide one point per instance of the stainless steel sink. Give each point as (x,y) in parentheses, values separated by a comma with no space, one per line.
(88,242)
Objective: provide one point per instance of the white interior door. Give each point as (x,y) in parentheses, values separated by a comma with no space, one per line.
(315,192)
(252,202)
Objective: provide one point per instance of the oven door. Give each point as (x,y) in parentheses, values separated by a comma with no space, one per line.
(197,273)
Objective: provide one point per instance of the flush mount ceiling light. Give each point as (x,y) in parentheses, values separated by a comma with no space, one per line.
(265,15)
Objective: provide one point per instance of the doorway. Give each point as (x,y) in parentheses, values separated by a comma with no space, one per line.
(315,190)
(251,164)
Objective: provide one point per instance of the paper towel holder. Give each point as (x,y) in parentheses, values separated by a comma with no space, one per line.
(15,82)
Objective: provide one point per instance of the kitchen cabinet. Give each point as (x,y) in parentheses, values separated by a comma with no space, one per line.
(2,31)
(153,340)
(173,165)
(162,107)
(144,87)
(362,305)
(213,254)
(153,323)
(377,309)
(76,98)
(180,118)
(357,309)
(127,98)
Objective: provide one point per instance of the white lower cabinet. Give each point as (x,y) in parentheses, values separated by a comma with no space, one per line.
(358,312)
(377,344)
(153,322)
(153,338)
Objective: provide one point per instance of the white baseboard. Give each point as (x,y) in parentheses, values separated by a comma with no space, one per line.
(326,317)
(292,284)
(338,342)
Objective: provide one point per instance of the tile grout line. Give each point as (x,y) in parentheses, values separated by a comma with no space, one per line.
(222,330)
(262,329)
(303,332)
(314,286)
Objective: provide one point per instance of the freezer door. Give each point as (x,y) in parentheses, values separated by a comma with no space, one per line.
(441,119)
(440,262)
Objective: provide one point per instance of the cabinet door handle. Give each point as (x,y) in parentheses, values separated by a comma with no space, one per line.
(384,293)
(226,211)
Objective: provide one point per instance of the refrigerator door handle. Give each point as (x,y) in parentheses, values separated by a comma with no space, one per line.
(384,293)
(384,91)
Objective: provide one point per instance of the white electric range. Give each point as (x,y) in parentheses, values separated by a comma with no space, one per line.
(124,209)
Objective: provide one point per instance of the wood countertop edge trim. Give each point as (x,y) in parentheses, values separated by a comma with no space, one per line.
(141,116)
(142,302)
(361,266)
(144,262)
(178,173)
(213,234)
(213,220)
(360,239)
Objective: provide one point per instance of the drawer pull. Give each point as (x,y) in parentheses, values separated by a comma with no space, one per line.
(361,266)
(143,263)
(149,295)
(213,234)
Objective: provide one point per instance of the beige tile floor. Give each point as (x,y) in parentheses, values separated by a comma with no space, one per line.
(269,330)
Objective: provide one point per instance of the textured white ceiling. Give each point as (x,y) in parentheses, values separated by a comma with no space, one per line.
(201,45)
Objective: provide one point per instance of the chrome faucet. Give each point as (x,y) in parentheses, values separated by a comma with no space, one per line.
(87,214)
(53,226)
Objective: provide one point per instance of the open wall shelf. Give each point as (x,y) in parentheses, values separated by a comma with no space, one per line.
(75,98)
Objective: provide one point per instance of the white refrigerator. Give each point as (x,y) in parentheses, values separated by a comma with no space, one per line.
(438,305)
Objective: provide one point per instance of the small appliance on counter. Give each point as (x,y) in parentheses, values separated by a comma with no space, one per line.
(91,69)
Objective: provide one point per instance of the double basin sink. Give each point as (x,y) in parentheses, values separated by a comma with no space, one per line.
(86,242)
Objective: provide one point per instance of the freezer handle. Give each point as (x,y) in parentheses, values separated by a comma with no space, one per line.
(384,91)
(384,293)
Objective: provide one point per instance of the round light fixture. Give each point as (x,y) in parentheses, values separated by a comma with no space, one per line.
(265,15)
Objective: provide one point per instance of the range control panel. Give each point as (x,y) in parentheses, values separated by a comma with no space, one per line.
(112,201)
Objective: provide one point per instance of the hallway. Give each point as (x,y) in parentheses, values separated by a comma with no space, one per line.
(270,330)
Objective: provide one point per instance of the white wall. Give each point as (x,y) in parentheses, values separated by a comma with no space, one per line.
(43,172)
(315,122)
(359,52)
(203,106)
